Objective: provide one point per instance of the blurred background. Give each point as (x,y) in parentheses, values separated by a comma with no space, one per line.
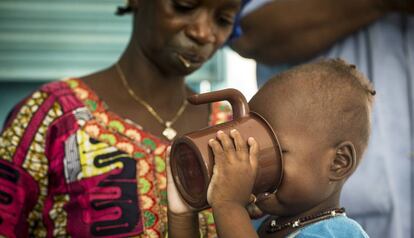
(45,40)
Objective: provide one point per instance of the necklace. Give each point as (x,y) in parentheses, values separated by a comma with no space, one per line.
(272,225)
(168,132)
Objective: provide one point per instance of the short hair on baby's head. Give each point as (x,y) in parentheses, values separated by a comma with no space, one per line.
(338,100)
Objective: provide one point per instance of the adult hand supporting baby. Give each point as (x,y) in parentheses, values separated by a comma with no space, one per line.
(182,219)
(234,174)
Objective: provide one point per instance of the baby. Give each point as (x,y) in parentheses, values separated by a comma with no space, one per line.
(321,114)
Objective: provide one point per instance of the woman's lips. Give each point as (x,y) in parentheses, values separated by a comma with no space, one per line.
(184,61)
(189,60)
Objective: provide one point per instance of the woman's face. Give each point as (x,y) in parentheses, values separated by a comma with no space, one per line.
(178,36)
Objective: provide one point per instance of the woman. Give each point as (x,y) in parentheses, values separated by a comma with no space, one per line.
(86,157)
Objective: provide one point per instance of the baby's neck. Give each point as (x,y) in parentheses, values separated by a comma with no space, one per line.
(283,226)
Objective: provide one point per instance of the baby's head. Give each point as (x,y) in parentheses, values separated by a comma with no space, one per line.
(321,114)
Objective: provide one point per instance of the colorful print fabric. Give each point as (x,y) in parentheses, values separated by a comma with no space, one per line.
(69,167)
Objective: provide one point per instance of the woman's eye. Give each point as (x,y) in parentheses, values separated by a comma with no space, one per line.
(225,21)
(183,6)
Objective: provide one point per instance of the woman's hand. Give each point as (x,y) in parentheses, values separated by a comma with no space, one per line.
(182,219)
(176,204)
(235,169)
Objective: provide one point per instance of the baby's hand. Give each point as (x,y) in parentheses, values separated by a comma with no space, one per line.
(235,169)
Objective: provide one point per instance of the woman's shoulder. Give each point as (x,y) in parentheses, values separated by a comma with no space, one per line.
(61,92)
(57,97)
(29,123)
(54,89)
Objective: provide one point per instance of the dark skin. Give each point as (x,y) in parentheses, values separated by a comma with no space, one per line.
(314,171)
(164,31)
(300,29)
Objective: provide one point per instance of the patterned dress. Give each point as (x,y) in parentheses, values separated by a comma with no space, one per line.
(69,167)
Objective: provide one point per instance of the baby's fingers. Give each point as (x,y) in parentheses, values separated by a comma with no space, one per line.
(218,151)
(216,148)
(253,153)
(240,144)
(226,142)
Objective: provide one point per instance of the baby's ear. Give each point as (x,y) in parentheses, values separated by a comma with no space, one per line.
(344,163)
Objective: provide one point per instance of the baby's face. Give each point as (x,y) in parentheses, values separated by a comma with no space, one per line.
(306,157)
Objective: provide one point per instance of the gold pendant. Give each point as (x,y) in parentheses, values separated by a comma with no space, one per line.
(169,132)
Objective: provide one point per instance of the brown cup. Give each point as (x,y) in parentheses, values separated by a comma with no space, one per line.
(192,159)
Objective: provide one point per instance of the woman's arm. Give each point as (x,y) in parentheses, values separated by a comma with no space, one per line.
(292,30)
(183,226)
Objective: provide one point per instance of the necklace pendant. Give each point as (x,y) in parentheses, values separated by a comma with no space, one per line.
(169,132)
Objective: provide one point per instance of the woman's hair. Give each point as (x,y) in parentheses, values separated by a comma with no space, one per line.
(122,10)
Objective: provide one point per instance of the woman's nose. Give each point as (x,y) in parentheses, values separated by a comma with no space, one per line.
(202,29)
